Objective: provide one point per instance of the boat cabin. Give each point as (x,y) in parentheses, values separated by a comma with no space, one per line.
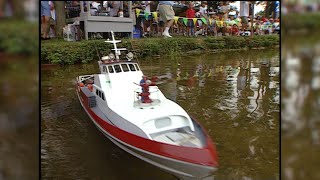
(118,66)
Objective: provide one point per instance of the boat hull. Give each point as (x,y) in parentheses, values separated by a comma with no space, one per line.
(183,162)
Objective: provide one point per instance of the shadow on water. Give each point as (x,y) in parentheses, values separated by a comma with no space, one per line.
(300,107)
(234,95)
(19,120)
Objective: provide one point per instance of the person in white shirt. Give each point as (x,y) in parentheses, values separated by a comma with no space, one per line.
(147,20)
(115,8)
(203,13)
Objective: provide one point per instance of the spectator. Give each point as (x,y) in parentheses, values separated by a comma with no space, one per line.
(234,30)
(160,22)
(147,20)
(244,13)
(95,5)
(212,24)
(256,27)
(272,25)
(45,18)
(93,10)
(115,7)
(167,15)
(203,13)
(52,20)
(225,8)
(190,13)
(221,24)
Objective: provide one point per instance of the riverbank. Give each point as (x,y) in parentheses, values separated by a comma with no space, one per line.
(19,37)
(58,51)
(300,23)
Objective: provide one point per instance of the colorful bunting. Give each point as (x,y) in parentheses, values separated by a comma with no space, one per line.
(138,12)
(204,20)
(185,21)
(195,21)
(155,15)
(146,15)
(176,19)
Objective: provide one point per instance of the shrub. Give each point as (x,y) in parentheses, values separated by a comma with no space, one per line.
(19,37)
(62,52)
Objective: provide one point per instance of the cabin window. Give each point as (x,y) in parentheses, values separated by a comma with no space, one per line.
(97,92)
(110,69)
(137,67)
(104,69)
(131,66)
(124,67)
(117,68)
(162,122)
(102,96)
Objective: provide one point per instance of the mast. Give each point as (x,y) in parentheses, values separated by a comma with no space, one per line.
(116,50)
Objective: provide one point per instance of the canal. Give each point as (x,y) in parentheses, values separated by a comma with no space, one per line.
(300,107)
(234,95)
(19,117)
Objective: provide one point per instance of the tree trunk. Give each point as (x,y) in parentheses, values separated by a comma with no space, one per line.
(60,17)
(267,9)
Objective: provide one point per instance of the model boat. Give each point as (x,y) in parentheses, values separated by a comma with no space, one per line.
(136,116)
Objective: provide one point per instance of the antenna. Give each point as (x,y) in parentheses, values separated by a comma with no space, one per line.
(117,50)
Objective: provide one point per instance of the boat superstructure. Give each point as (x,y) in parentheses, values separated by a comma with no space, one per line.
(137,117)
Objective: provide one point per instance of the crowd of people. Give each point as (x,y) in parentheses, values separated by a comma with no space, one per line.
(48,20)
(158,18)
(150,20)
(299,7)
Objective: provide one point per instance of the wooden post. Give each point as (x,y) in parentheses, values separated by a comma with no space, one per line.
(252,10)
(121,5)
(81,7)
(130,16)
(88,8)
(86,20)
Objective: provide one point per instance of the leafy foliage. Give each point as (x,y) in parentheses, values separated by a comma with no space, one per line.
(308,21)
(62,52)
(19,37)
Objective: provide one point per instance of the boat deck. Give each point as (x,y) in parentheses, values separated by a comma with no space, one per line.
(179,139)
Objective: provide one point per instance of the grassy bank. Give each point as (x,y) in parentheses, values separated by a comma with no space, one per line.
(309,21)
(62,52)
(19,37)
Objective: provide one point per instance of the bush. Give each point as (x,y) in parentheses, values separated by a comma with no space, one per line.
(308,21)
(62,52)
(19,37)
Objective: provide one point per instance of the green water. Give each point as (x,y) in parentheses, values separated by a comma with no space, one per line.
(234,95)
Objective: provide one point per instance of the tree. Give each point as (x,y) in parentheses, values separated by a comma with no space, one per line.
(60,17)
(270,9)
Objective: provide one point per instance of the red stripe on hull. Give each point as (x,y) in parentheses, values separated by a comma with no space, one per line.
(205,156)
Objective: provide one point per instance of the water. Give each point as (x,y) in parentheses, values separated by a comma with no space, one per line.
(300,105)
(235,96)
(19,117)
